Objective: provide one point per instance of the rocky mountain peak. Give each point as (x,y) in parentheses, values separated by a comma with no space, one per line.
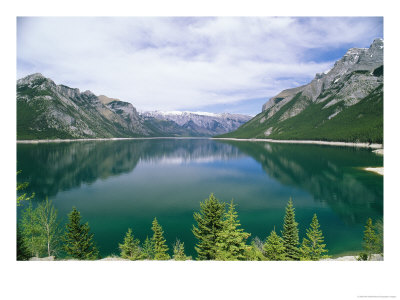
(351,57)
(377,43)
(372,58)
(36,78)
(66,90)
(59,111)
(199,123)
(358,63)
(88,93)
(344,103)
(33,76)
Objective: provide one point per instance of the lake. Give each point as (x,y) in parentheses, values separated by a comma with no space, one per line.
(124,184)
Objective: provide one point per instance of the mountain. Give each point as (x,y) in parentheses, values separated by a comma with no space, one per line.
(343,104)
(196,123)
(49,111)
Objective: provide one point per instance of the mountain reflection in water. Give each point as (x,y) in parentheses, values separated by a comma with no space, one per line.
(53,167)
(330,174)
(121,184)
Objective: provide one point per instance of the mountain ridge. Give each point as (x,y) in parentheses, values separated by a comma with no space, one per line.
(342,104)
(200,123)
(49,111)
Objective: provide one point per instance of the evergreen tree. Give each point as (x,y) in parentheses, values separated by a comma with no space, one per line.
(78,241)
(49,226)
(290,233)
(179,251)
(370,239)
(22,250)
(148,249)
(231,240)
(160,246)
(130,249)
(313,247)
(274,248)
(209,224)
(31,232)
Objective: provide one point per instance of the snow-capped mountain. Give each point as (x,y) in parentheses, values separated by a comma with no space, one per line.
(49,111)
(198,123)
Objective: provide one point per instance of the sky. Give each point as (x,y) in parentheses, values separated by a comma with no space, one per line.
(212,64)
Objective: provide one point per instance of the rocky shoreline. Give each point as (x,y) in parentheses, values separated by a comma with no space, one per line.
(378,151)
(378,147)
(359,145)
(103,139)
(375,257)
(378,170)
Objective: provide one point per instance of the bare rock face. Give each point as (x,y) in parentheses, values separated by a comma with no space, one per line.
(129,115)
(342,104)
(46,110)
(350,80)
(49,111)
(200,123)
(48,258)
(275,103)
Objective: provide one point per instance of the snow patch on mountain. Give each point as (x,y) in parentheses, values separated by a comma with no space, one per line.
(200,123)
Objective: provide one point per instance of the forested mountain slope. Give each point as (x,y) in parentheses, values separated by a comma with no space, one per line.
(343,104)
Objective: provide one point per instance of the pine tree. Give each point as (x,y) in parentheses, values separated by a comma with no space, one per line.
(179,251)
(209,224)
(148,249)
(290,233)
(22,250)
(78,241)
(49,226)
(231,240)
(370,239)
(160,246)
(130,249)
(274,248)
(313,247)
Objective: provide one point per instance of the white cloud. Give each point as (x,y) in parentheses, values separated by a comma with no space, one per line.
(180,63)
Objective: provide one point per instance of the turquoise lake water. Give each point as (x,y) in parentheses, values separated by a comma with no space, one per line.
(118,185)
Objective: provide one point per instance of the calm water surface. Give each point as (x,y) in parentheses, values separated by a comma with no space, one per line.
(118,185)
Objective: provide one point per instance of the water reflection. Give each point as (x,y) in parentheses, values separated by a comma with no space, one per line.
(330,174)
(125,184)
(54,167)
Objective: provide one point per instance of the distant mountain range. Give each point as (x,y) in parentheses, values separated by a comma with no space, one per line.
(195,123)
(343,104)
(49,111)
